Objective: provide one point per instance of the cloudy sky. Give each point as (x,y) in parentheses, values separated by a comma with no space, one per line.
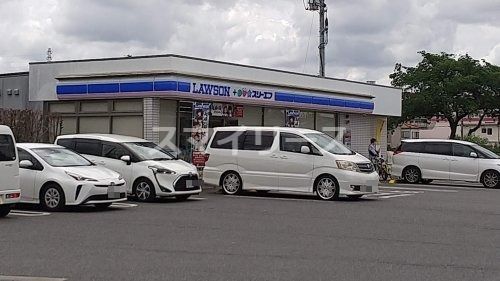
(367,37)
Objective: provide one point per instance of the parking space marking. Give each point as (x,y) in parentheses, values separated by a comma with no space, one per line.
(123,205)
(395,195)
(22,213)
(273,198)
(28,278)
(419,189)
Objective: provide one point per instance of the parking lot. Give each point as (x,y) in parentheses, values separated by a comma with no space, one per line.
(406,232)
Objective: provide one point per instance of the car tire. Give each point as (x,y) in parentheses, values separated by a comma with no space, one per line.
(412,175)
(182,197)
(4,210)
(490,179)
(327,188)
(52,198)
(144,190)
(102,206)
(231,183)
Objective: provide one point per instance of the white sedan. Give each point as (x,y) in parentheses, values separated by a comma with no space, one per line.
(54,177)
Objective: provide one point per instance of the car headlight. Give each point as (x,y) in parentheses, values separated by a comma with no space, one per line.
(347,165)
(79,177)
(120,177)
(161,170)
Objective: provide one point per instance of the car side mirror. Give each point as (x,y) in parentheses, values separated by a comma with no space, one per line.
(473,155)
(305,150)
(126,159)
(26,164)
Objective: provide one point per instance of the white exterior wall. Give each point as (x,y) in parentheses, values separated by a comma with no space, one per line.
(152,119)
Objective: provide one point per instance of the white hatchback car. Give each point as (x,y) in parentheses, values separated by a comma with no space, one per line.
(423,160)
(54,176)
(149,170)
(286,159)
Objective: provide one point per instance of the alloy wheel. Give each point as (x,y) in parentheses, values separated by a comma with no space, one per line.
(52,198)
(326,188)
(231,183)
(143,191)
(491,179)
(412,175)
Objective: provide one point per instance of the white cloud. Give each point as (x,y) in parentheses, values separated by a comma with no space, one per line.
(367,37)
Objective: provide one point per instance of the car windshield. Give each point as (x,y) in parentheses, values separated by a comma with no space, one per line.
(329,144)
(61,157)
(486,152)
(149,151)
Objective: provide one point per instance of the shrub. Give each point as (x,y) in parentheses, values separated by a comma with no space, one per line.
(30,125)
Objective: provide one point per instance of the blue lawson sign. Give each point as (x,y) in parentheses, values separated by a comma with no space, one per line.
(231,93)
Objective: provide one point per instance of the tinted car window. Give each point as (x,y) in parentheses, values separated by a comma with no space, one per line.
(462,150)
(113,150)
(7,148)
(440,148)
(68,143)
(90,147)
(416,147)
(24,155)
(258,140)
(228,139)
(293,143)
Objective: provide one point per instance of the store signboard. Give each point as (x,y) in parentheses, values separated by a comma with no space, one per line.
(199,133)
(230,91)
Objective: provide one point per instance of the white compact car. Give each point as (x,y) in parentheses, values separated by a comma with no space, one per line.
(426,160)
(54,176)
(149,170)
(9,171)
(286,159)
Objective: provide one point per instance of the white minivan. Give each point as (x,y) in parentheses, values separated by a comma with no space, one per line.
(423,160)
(9,171)
(286,159)
(149,170)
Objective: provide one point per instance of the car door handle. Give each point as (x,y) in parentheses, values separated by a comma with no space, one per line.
(283,157)
(274,156)
(8,165)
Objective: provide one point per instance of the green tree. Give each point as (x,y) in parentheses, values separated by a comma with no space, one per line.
(444,85)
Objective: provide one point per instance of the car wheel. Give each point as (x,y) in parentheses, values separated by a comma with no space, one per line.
(491,179)
(231,183)
(327,188)
(182,197)
(144,190)
(52,198)
(411,175)
(4,210)
(102,206)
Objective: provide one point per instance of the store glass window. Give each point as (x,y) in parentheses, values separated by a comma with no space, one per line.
(326,123)
(128,125)
(306,120)
(92,106)
(274,117)
(62,107)
(252,116)
(94,125)
(68,125)
(127,105)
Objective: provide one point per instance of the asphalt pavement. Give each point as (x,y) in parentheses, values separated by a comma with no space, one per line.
(407,232)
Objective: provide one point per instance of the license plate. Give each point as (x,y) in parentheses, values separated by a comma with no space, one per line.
(193,183)
(366,188)
(112,194)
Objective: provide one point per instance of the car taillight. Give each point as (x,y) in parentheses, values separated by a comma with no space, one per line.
(13,195)
(207,155)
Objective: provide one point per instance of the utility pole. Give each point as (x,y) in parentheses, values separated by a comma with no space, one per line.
(319,5)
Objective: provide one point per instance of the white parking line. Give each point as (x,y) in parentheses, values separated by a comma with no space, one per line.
(27,214)
(123,205)
(395,195)
(420,189)
(27,278)
(273,198)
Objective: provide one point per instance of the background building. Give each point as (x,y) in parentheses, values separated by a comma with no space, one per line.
(148,96)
